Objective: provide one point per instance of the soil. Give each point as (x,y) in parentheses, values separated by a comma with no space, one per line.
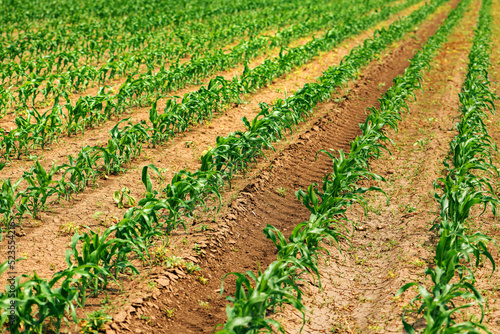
(96,209)
(389,246)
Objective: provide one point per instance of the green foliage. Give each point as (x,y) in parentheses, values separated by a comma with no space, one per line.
(41,185)
(94,257)
(94,322)
(300,253)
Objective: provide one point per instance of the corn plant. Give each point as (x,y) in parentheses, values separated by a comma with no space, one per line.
(41,186)
(101,255)
(271,288)
(37,300)
(305,241)
(8,200)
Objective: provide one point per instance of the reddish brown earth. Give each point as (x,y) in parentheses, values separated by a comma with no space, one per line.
(392,245)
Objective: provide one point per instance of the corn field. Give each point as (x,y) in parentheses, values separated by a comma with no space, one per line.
(261,166)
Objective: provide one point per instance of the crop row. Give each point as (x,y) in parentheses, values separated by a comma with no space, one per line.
(64,65)
(126,143)
(55,86)
(89,112)
(37,130)
(104,257)
(135,32)
(256,294)
(470,175)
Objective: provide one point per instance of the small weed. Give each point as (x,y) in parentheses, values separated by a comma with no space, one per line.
(94,322)
(203,304)
(281,191)
(202,228)
(197,249)
(376,210)
(392,243)
(68,228)
(169,313)
(391,274)
(123,198)
(418,262)
(202,279)
(192,268)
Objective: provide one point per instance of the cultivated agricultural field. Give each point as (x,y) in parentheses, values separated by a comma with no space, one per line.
(249,166)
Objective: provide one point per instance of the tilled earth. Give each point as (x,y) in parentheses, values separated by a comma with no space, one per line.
(389,246)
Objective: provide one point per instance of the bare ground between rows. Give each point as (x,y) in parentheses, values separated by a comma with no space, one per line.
(237,243)
(200,135)
(43,245)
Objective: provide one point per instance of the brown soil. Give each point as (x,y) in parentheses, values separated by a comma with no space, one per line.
(392,245)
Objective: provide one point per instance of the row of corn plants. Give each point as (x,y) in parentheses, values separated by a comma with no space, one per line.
(468,182)
(95,36)
(155,25)
(105,256)
(36,130)
(126,143)
(148,84)
(237,151)
(37,78)
(277,285)
(93,260)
